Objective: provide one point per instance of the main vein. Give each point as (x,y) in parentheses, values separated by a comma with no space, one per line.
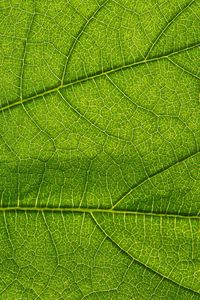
(95,210)
(94,76)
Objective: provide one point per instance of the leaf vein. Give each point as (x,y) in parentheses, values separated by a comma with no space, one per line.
(137,260)
(91,77)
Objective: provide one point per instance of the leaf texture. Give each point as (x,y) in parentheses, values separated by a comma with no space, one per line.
(99,149)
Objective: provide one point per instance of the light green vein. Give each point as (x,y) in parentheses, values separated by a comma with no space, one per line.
(83,210)
(167,26)
(119,201)
(109,237)
(92,17)
(94,76)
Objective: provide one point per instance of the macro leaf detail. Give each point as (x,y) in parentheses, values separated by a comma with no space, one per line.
(99,143)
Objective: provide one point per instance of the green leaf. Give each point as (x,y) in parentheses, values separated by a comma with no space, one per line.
(99,149)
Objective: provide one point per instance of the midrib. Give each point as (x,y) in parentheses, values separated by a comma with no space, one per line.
(94,76)
(94,210)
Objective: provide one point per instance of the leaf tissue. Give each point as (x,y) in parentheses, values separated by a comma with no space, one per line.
(99,150)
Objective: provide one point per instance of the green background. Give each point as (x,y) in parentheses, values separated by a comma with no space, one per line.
(99,149)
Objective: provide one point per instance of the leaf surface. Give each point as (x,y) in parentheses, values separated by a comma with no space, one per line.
(99,149)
